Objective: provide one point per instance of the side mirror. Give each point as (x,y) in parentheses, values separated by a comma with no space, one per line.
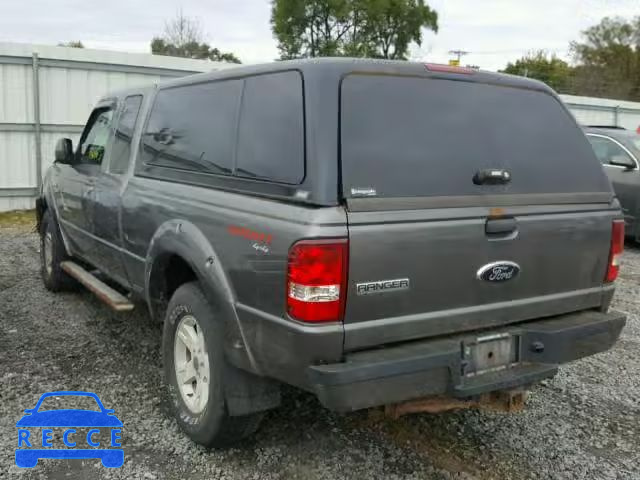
(64,151)
(622,161)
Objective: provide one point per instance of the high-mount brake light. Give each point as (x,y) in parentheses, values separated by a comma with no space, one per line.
(438,67)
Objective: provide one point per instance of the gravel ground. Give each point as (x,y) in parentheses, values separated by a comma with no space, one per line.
(583,424)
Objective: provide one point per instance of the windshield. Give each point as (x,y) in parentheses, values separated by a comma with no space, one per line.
(417,136)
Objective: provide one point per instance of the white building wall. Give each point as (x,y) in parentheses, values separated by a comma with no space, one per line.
(604,111)
(16,203)
(16,82)
(70,81)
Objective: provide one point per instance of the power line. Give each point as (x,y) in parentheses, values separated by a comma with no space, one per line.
(458,53)
(519,51)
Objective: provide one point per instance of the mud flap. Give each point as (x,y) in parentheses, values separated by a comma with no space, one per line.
(247,393)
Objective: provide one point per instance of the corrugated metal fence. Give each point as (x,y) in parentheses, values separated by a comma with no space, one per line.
(48,92)
(604,111)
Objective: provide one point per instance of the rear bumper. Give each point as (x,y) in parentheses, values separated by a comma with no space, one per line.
(436,367)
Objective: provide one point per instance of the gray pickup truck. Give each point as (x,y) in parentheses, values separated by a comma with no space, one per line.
(374,232)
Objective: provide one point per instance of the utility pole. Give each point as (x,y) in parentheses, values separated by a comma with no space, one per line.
(459,54)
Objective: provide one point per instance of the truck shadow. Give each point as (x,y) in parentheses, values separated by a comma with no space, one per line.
(632,245)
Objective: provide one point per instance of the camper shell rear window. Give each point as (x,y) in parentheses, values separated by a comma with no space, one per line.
(409,136)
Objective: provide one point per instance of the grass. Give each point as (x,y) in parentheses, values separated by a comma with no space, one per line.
(18,218)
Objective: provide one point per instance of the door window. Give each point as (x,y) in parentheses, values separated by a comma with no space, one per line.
(606,150)
(121,151)
(94,142)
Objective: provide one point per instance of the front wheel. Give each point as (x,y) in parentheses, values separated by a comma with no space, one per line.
(52,254)
(192,349)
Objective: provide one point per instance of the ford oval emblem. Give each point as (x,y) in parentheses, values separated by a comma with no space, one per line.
(497,272)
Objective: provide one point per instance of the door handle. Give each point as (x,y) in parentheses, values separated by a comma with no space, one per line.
(500,226)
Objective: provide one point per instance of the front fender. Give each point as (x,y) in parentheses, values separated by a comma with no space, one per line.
(46,200)
(183,239)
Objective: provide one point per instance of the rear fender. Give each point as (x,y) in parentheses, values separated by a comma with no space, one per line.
(184,239)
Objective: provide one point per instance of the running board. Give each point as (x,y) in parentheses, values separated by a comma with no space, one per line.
(104,292)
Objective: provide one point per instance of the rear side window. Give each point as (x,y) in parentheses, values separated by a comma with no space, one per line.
(193,127)
(121,151)
(409,136)
(271,128)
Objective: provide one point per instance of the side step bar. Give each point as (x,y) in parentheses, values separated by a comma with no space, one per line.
(104,292)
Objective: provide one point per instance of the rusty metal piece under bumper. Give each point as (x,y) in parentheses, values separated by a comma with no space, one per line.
(509,401)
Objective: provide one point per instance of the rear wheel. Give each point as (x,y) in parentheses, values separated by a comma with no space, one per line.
(194,363)
(52,254)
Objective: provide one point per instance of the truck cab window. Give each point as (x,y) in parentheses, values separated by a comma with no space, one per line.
(94,142)
(192,128)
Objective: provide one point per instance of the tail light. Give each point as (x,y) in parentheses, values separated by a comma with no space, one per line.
(317,280)
(615,252)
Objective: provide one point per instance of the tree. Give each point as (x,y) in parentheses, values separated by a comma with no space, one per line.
(547,68)
(391,25)
(365,28)
(183,37)
(608,59)
(72,44)
(309,28)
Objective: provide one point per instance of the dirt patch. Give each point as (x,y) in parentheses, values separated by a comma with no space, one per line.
(18,219)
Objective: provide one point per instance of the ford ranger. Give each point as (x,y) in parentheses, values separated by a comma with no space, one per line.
(378,233)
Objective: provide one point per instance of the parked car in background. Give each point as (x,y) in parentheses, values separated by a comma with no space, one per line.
(323,224)
(619,152)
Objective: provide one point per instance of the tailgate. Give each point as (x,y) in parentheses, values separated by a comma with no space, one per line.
(435,256)
(434,250)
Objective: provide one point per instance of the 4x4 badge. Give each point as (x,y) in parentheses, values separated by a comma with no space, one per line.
(498,271)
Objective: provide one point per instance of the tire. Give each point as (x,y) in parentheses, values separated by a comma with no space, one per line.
(199,406)
(52,253)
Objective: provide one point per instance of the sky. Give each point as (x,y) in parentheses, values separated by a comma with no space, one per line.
(493,31)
